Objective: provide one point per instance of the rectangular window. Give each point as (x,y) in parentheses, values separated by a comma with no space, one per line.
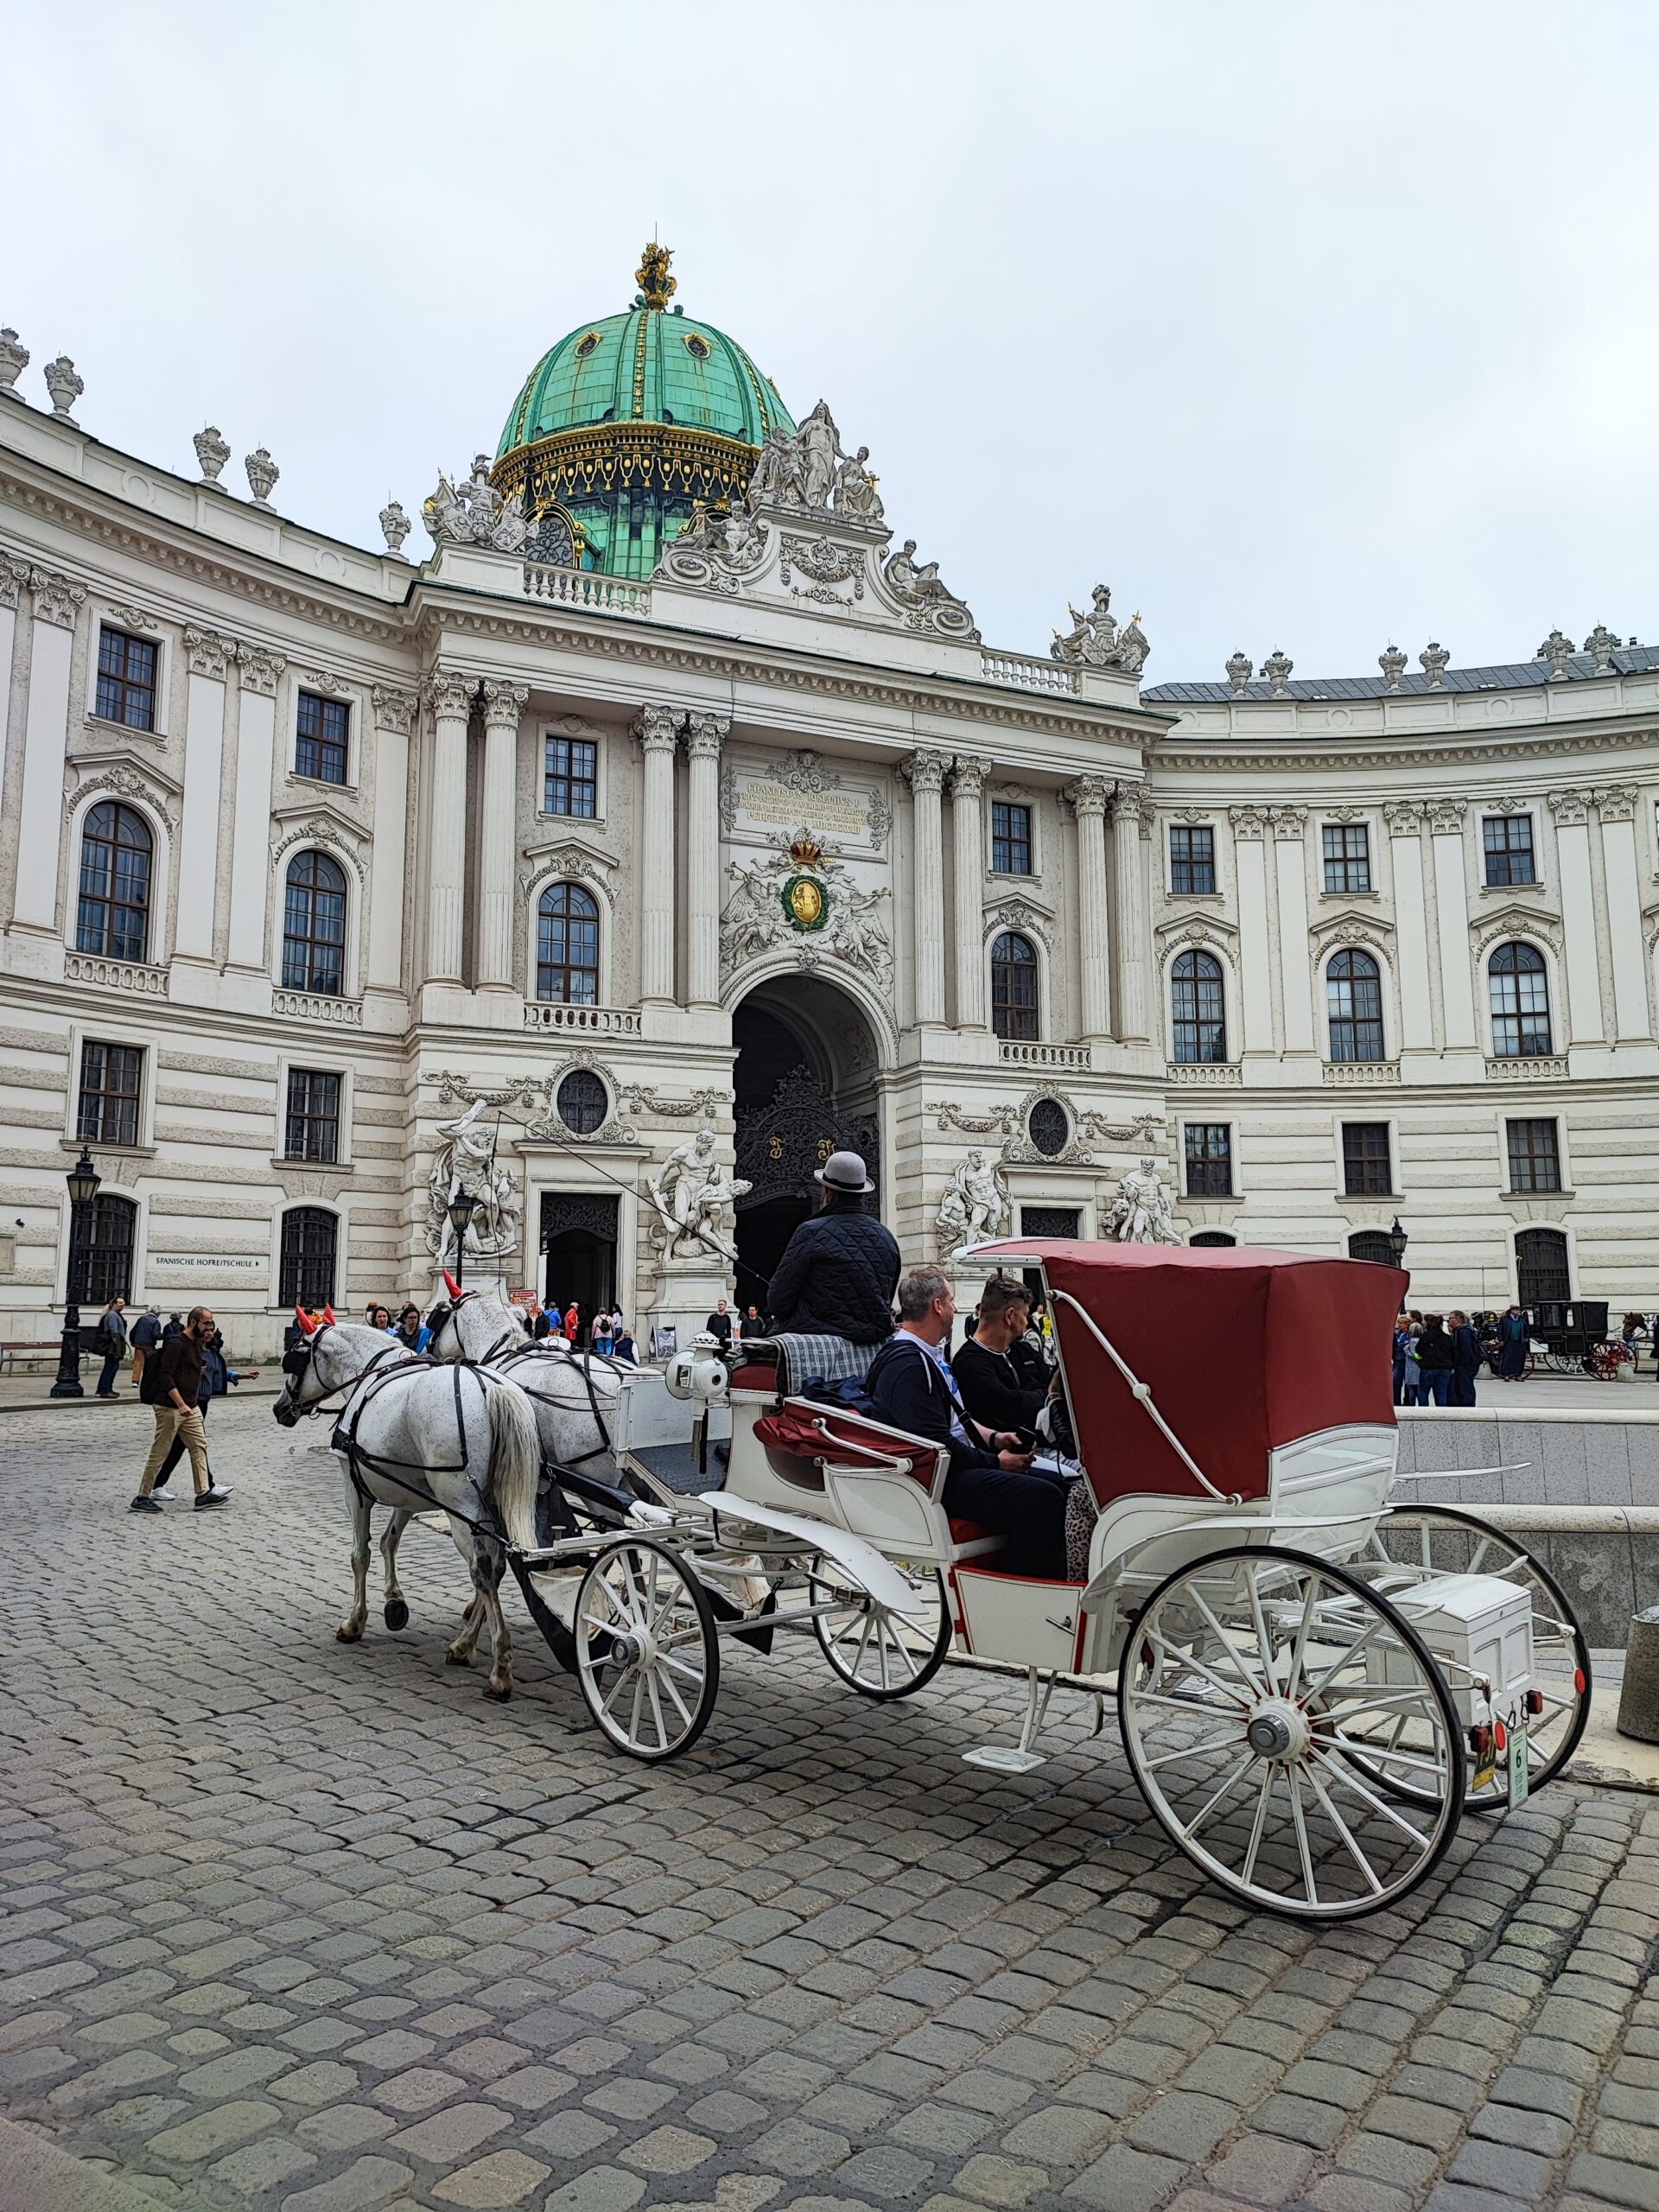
(324,731)
(126,679)
(1347,856)
(1534,1156)
(111,1075)
(1367,1170)
(1508,841)
(570,784)
(1193,859)
(312,1130)
(1010,839)
(1209,1160)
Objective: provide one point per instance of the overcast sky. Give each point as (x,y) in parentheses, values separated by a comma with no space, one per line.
(1317,327)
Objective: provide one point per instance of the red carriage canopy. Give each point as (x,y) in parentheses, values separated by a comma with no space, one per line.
(1244,1350)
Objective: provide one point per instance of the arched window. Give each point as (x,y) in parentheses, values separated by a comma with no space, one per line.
(1371,1244)
(100,1250)
(1519,986)
(1353,996)
(314,924)
(307,1277)
(1199,1008)
(1216,1237)
(1541,1274)
(113,918)
(1013,988)
(567,945)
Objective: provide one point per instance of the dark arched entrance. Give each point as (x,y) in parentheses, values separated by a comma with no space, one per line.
(806,1085)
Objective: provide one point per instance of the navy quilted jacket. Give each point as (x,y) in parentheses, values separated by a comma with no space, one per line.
(836,1278)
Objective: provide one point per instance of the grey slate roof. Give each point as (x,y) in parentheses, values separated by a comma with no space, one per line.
(1627,660)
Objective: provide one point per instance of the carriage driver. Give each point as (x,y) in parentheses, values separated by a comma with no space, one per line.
(836,1275)
(992,1480)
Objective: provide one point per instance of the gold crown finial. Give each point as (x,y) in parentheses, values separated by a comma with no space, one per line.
(652,278)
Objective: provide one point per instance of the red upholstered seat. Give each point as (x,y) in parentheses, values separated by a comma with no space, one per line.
(967,1532)
(754,1377)
(806,1430)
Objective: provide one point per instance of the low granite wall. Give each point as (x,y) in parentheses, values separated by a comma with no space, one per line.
(1552,1457)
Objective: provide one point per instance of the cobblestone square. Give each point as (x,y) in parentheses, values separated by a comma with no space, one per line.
(293,1924)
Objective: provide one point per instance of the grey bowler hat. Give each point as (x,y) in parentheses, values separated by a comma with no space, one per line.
(843,1171)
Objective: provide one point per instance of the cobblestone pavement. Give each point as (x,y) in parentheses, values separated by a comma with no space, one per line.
(287,1923)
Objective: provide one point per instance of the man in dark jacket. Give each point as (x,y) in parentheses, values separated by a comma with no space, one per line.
(172,1387)
(719,1324)
(1466,1355)
(991,1480)
(838,1272)
(992,1386)
(1436,1360)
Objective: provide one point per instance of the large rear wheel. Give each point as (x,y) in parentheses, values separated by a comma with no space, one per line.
(647,1650)
(1270,1703)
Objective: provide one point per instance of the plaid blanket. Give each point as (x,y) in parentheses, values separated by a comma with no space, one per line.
(832,1358)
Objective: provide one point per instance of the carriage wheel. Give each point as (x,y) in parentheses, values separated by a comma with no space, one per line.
(647,1653)
(1417,1540)
(1249,1684)
(881,1654)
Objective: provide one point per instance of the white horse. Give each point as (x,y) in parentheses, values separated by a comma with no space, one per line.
(409,1435)
(576,1395)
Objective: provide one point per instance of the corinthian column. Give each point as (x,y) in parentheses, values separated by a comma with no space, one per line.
(502,705)
(449,695)
(925,772)
(1089,797)
(704,734)
(968,828)
(655,732)
(1131,833)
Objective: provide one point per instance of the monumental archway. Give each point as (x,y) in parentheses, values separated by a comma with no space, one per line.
(807,1081)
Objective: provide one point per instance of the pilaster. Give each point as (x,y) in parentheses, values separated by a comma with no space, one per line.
(704,736)
(924,771)
(967,832)
(655,734)
(503,704)
(449,694)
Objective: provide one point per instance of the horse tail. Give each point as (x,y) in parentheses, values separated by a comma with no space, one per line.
(515,1462)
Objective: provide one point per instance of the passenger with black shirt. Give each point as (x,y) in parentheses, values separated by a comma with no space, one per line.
(992,1386)
(719,1324)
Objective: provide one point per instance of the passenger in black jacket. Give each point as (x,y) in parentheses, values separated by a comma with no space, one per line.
(1437,1358)
(991,1479)
(839,1270)
(992,1386)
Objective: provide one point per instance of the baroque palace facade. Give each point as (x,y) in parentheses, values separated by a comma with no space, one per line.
(673,825)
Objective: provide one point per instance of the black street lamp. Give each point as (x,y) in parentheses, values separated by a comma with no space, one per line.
(83,1180)
(1398,1241)
(462,1207)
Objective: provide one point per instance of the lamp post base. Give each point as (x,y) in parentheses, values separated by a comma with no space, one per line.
(67,1385)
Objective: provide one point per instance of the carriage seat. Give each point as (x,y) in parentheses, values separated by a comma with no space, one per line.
(872,1473)
(787,1363)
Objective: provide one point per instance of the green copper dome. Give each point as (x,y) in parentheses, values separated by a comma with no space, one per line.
(628,424)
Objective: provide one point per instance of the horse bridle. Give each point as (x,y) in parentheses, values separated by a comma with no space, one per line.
(301,1356)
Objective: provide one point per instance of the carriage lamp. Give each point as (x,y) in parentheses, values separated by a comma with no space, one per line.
(83,1180)
(462,1207)
(1398,1241)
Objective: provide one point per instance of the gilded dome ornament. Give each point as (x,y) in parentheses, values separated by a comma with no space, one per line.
(652,278)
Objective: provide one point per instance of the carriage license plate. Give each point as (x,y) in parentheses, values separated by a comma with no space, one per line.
(1519,1784)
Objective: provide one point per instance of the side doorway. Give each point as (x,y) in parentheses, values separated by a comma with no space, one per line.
(578,1246)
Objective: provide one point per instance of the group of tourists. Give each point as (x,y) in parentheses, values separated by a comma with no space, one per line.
(1437,1355)
(604,1332)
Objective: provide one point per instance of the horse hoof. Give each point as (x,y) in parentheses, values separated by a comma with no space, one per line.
(349,1633)
(499,1691)
(397,1613)
(453,1658)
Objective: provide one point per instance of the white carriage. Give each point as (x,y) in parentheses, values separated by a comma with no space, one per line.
(1312,1682)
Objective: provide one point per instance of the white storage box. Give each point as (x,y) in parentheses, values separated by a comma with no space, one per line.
(1478,1626)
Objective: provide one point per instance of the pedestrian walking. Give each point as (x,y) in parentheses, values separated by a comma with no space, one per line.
(1466,1358)
(145,1335)
(172,1386)
(110,1341)
(572,1322)
(1435,1361)
(1514,1336)
(604,1337)
(173,1326)
(1402,1351)
(1413,1374)
(216,1376)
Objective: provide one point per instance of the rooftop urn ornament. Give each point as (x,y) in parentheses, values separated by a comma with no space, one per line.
(1602,643)
(396,525)
(212,451)
(1277,668)
(13,359)
(1392,662)
(65,386)
(1434,658)
(263,472)
(657,287)
(1240,669)
(1556,650)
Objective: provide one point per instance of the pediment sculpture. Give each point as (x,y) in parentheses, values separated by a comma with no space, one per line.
(470,510)
(808,472)
(1095,640)
(806,897)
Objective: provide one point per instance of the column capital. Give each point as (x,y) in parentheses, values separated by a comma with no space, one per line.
(1569,808)
(504,703)
(1132,803)
(705,733)
(924,769)
(394,710)
(14,577)
(1248,821)
(449,692)
(1404,817)
(656,730)
(968,775)
(258,669)
(1088,797)
(57,597)
(1445,817)
(1289,823)
(209,653)
(1617,802)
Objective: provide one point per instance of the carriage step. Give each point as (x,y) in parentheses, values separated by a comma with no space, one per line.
(1003,1759)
